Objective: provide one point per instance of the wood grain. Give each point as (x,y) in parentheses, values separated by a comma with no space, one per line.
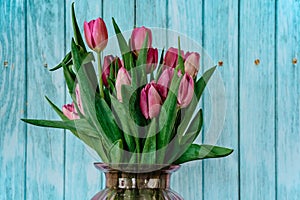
(288,99)
(221,44)
(45,149)
(257,99)
(12,100)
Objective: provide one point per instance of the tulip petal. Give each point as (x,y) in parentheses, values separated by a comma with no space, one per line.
(88,35)
(123,78)
(185,91)
(154,102)
(144,103)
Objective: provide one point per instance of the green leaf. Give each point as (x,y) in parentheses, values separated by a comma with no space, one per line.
(77,34)
(140,70)
(116,152)
(124,48)
(128,126)
(67,60)
(149,150)
(70,81)
(180,59)
(78,125)
(170,106)
(70,125)
(160,66)
(202,82)
(56,109)
(199,152)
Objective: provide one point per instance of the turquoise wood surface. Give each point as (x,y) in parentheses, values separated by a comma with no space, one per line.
(45,150)
(257,99)
(262,118)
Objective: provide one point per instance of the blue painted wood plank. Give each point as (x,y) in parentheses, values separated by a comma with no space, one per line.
(122,11)
(185,17)
(152,14)
(221,44)
(82,179)
(12,101)
(257,99)
(288,99)
(45,150)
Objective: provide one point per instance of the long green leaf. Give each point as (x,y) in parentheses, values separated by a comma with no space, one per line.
(124,48)
(77,34)
(149,150)
(199,152)
(170,106)
(79,125)
(140,77)
(56,109)
(67,60)
(128,126)
(202,82)
(116,152)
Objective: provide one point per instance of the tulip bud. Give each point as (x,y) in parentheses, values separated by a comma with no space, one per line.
(171,57)
(123,78)
(70,112)
(164,81)
(96,34)
(191,64)
(78,99)
(138,37)
(108,60)
(152,59)
(150,101)
(185,91)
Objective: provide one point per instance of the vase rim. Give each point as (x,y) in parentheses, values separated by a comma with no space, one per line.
(136,168)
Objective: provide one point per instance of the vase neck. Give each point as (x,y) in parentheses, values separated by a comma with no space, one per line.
(150,180)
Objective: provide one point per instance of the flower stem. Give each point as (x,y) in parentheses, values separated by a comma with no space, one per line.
(100,74)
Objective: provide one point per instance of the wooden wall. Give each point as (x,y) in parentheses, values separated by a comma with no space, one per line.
(258,42)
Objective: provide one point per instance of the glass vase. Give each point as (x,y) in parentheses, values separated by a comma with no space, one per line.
(125,184)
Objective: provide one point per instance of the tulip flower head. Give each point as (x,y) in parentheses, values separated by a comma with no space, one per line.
(70,112)
(123,78)
(152,60)
(185,91)
(150,101)
(138,37)
(96,34)
(108,60)
(191,64)
(164,81)
(171,57)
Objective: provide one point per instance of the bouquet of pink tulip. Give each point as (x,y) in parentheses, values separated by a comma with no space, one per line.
(139,109)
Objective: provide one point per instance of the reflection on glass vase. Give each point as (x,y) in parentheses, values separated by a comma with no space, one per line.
(144,185)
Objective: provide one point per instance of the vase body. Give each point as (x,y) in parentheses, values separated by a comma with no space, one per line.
(153,185)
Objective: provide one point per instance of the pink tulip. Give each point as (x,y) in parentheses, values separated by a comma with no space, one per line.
(96,34)
(150,101)
(185,91)
(171,57)
(70,112)
(78,99)
(152,59)
(108,60)
(164,81)
(123,78)
(191,64)
(138,37)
